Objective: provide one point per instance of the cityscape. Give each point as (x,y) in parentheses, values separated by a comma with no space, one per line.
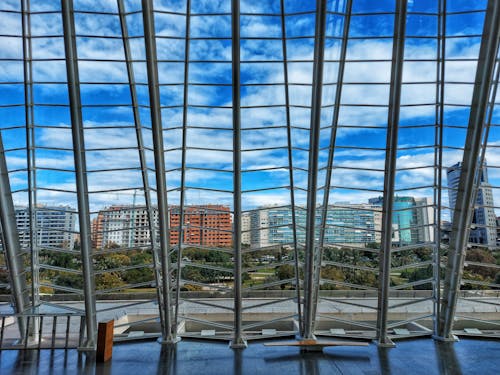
(211,224)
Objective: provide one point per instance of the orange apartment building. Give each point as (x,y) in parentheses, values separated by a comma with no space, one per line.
(208,225)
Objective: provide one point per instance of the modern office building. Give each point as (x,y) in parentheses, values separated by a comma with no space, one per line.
(412,219)
(484,224)
(424,210)
(345,224)
(54,227)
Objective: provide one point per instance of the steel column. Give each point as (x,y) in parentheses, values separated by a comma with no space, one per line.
(11,245)
(169,336)
(140,147)
(464,206)
(290,163)
(30,149)
(310,294)
(75,106)
(390,171)
(182,197)
(238,339)
(438,159)
(333,138)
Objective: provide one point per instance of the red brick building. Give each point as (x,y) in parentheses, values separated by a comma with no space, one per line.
(96,232)
(208,225)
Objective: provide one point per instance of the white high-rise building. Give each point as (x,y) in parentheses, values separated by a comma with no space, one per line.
(259,234)
(246,226)
(55,226)
(125,226)
(484,232)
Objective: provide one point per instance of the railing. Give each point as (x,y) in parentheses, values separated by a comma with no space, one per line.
(42,331)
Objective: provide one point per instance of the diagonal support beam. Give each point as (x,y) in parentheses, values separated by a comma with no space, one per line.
(182,198)
(290,161)
(333,139)
(390,171)
(466,194)
(238,339)
(75,106)
(30,148)
(310,299)
(438,161)
(140,147)
(11,245)
(169,336)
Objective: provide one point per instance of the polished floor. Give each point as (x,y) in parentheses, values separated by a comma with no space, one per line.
(420,356)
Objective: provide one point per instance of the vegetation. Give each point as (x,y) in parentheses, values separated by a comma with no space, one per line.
(342,269)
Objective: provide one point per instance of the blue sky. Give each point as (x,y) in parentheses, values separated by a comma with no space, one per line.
(359,171)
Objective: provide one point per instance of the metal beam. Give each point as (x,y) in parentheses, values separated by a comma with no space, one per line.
(182,196)
(169,336)
(390,171)
(75,106)
(238,339)
(438,160)
(312,184)
(290,164)
(333,138)
(11,245)
(30,149)
(140,148)
(466,194)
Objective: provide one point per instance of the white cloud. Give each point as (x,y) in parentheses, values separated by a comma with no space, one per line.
(299,72)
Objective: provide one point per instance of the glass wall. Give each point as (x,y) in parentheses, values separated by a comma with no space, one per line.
(240,170)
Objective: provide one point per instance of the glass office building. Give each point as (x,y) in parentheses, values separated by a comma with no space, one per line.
(412,219)
(347,224)
(236,105)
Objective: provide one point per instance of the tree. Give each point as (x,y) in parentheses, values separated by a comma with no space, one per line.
(481,256)
(60,259)
(192,273)
(108,280)
(111,261)
(285,272)
(332,273)
(417,274)
(138,275)
(497,279)
(70,280)
(474,277)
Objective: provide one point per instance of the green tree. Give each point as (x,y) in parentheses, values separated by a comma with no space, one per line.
(284,272)
(417,274)
(481,256)
(69,280)
(108,280)
(332,273)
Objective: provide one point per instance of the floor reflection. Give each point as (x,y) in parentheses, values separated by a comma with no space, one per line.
(238,361)
(213,358)
(447,359)
(383,359)
(167,363)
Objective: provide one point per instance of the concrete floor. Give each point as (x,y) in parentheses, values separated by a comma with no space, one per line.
(419,356)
